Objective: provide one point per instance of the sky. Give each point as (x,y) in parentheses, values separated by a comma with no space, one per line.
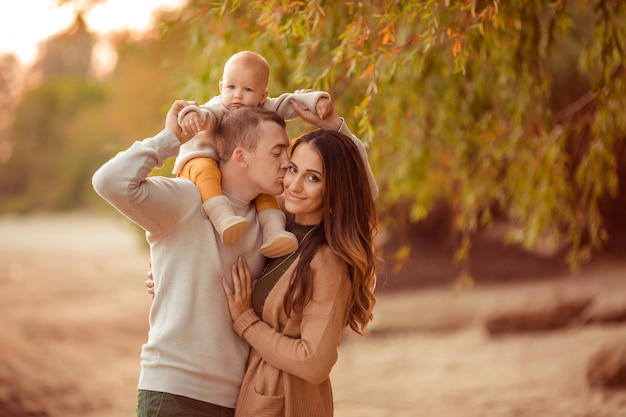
(25,23)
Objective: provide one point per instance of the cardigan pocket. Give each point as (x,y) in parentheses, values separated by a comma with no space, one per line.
(259,405)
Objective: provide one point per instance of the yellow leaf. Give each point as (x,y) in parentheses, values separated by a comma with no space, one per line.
(367,72)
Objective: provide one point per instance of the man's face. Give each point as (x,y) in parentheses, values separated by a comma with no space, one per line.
(269,161)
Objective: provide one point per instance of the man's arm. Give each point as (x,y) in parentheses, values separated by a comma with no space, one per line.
(152,203)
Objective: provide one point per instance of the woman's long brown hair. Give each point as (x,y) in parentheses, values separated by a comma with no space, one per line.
(348,226)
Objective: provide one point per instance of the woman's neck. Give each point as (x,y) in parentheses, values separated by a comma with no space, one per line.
(305,221)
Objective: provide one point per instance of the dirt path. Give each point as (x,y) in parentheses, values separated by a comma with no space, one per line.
(74,315)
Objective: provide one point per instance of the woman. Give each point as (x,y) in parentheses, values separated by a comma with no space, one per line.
(294,317)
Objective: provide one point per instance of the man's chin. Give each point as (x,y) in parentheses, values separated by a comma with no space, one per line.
(276,191)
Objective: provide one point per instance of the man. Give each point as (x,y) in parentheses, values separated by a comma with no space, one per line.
(193,363)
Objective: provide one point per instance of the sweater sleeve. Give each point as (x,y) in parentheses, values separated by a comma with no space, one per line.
(359,144)
(312,355)
(123,181)
(305,100)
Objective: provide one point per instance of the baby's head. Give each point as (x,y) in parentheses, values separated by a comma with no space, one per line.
(245,80)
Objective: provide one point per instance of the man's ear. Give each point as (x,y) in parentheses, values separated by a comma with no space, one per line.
(240,156)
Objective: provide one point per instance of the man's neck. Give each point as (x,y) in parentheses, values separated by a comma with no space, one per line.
(235,183)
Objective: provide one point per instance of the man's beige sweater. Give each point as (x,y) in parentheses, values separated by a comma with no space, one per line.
(191,349)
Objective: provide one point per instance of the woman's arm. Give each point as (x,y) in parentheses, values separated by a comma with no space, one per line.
(310,351)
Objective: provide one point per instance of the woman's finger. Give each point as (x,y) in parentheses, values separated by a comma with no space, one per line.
(236,281)
(227,290)
(241,274)
(246,275)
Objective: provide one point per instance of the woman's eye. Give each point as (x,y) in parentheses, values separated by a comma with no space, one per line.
(313,178)
(292,170)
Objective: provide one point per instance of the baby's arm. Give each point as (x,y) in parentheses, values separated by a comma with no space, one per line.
(306,99)
(324,107)
(192,123)
(193,119)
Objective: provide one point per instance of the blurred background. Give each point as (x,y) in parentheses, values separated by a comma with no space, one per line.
(496,131)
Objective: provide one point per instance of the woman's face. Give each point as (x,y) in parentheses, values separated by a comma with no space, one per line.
(304,185)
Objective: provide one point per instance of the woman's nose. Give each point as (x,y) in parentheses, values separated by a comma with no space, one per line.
(296,183)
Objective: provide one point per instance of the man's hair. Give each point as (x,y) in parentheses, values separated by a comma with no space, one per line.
(241,128)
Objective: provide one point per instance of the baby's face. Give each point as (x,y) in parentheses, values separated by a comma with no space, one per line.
(243,85)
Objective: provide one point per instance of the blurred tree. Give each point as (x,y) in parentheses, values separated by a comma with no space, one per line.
(39,174)
(465,102)
(68,124)
(10,88)
(66,54)
(42,172)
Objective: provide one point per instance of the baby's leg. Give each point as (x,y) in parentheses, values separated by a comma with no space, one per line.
(205,173)
(276,240)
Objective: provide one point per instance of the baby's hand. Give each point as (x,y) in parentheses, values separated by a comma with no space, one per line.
(324,107)
(192,123)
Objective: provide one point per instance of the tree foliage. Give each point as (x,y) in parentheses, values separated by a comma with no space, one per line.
(67,123)
(461,101)
(494,110)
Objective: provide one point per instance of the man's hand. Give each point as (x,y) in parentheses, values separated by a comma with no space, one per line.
(332,122)
(171,120)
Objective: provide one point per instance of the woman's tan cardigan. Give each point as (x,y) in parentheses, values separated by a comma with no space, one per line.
(291,358)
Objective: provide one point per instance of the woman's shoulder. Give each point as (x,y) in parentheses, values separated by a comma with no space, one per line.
(325,254)
(327,260)
(331,277)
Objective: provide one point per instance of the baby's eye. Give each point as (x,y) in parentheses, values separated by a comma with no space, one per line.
(248,90)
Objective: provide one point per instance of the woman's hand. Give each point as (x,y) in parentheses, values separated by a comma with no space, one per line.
(239,297)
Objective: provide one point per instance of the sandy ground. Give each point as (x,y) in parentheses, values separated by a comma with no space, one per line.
(73,315)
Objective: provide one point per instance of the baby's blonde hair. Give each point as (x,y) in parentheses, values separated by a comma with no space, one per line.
(251,59)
